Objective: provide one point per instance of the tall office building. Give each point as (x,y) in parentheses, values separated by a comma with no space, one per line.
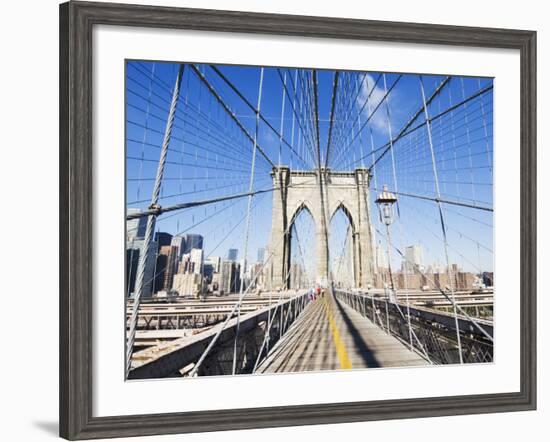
(215,262)
(245,272)
(192,241)
(261,254)
(167,261)
(230,277)
(232,254)
(381,257)
(179,242)
(196,257)
(488,278)
(191,262)
(412,261)
(135,228)
(133,252)
(211,266)
(163,238)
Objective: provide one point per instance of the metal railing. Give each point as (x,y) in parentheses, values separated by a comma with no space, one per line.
(258,332)
(433,333)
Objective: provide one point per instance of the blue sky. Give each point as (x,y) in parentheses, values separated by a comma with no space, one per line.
(210,157)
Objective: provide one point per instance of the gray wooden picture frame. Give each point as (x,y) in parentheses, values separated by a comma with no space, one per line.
(77,20)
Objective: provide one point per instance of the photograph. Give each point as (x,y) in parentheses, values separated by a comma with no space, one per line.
(288,219)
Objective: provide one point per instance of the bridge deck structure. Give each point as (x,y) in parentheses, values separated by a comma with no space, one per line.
(329,335)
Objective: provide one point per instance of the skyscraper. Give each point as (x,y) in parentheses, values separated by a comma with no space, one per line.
(215,262)
(232,254)
(261,254)
(135,228)
(167,261)
(412,262)
(179,242)
(230,278)
(196,257)
(163,238)
(133,252)
(192,241)
(381,257)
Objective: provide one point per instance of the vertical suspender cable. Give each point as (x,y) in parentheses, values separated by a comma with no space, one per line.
(468,140)
(441,217)
(332,112)
(282,120)
(321,175)
(390,134)
(151,219)
(454,144)
(142,156)
(250,189)
(489,162)
(360,135)
(292,104)
(391,141)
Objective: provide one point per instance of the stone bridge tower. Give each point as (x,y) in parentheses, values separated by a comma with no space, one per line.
(301,190)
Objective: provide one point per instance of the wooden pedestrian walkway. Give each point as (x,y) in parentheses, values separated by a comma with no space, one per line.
(329,335)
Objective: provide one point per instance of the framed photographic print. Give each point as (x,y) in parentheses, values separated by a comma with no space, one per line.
(314,220)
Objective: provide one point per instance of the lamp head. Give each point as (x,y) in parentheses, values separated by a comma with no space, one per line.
(385,202)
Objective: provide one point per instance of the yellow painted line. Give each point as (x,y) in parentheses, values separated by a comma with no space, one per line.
(341,351)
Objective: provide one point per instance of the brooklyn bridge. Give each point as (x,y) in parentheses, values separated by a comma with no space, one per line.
(290,220)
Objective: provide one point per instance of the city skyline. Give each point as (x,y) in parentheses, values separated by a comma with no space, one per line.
(175,256)
(412,264)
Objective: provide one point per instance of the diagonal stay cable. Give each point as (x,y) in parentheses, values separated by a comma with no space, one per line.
(331,118)
(347,115)
(229,111)
(192,192)
(371,115)
(316,116)
(385,147)
(256,111)
(442,200)
(157,210)
(305,134)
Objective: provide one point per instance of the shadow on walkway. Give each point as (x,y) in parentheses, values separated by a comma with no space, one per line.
(360,343)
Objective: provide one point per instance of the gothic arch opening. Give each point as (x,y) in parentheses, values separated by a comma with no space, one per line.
(342,248)
(302,264)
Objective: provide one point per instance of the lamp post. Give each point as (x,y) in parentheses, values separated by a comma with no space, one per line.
(385,202)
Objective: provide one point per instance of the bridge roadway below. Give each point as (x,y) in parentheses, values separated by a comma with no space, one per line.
(330,335)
